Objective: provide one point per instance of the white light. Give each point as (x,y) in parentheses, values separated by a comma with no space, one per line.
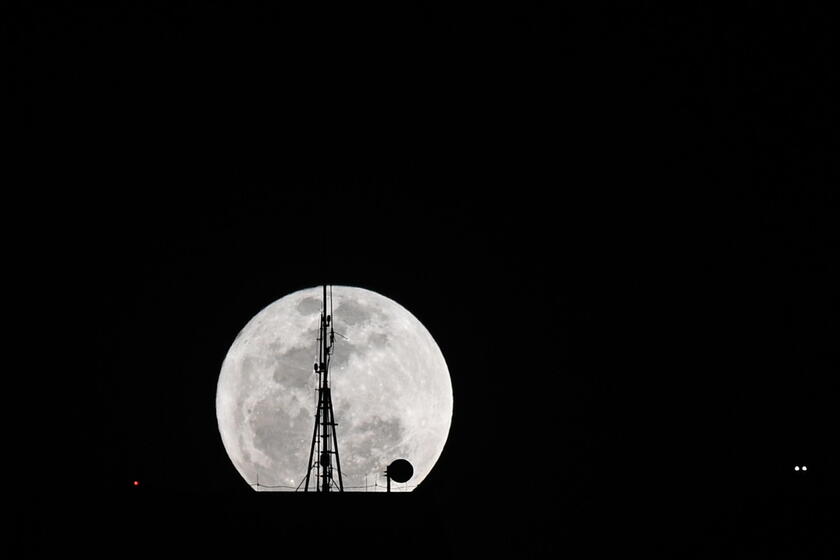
(796,468)
(804,468)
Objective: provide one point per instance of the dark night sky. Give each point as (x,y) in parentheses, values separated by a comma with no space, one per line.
(619,224)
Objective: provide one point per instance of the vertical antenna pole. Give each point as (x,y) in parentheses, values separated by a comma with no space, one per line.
(324,460)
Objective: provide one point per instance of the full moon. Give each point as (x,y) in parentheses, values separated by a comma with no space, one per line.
(391,391)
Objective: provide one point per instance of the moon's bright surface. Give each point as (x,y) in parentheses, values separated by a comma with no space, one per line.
(392,395)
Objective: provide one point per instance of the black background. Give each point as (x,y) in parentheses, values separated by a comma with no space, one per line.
(619,223)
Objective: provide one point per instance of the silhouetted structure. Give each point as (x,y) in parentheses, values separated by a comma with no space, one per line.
(398,471)
(324,440)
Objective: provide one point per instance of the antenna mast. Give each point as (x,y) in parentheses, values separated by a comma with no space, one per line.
(324,439)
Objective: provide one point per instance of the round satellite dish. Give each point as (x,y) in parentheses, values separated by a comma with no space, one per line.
(400,471)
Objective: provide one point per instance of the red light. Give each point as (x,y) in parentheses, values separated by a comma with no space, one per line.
(136,483)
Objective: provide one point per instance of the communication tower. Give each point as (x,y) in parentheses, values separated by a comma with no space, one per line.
(324,445)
